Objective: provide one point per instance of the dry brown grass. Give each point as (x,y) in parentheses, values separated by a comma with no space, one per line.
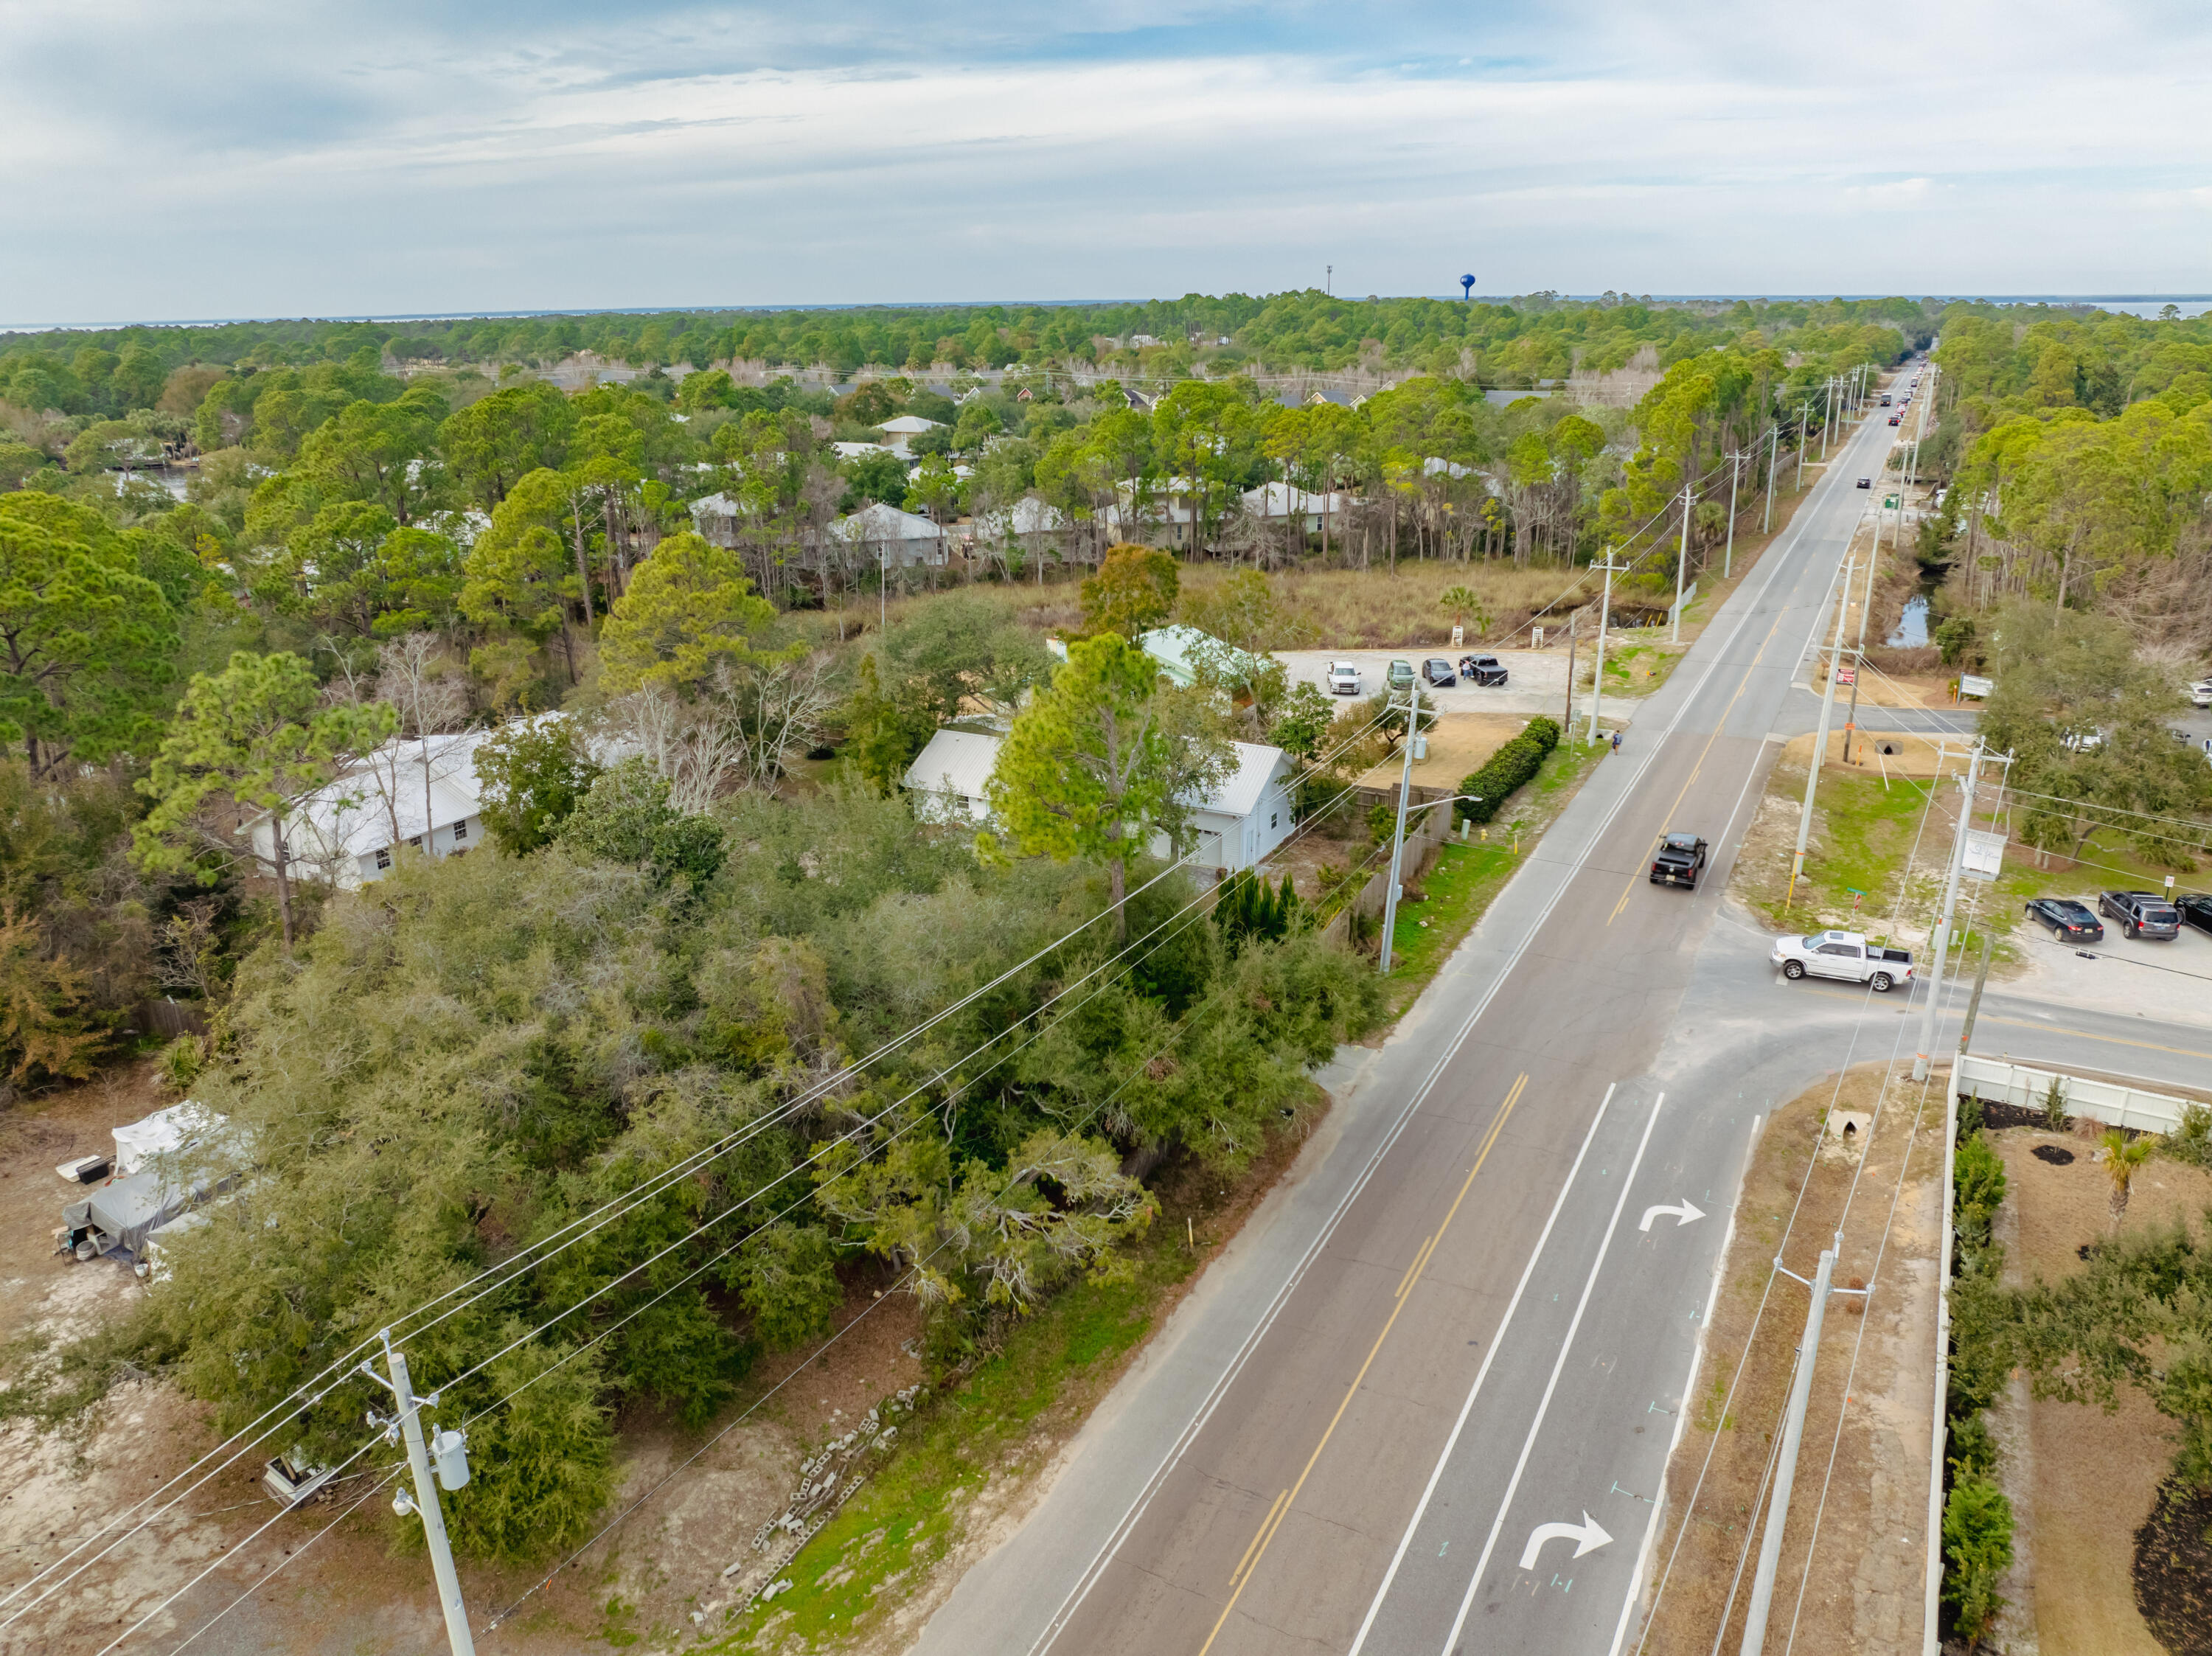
(1347,609)
(2093,1476)
(1863,1591)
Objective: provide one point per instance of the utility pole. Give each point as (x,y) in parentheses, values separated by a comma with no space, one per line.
(1974,1000)
(1785,1464)
(1942,940)
(1574,625)
(1821,741)
(1858,660)
(1682,563)
(451,1449)
(1398,835)
(1604,613)
(1827,416)
(1773,452)
(1735,476)
(1804,439)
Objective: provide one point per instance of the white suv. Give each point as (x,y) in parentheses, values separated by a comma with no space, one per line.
(2200,693)
(1343,678)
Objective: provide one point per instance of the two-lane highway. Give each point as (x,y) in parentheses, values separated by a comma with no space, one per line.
(1426,1402)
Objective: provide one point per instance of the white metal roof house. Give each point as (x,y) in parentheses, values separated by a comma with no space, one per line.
(349,830)
(904,430)
(948,777)
(421,796)
(1277,500)
(898,538)
(1026,518)
(1237,824)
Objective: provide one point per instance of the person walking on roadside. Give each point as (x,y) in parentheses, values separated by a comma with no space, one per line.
(1616,741)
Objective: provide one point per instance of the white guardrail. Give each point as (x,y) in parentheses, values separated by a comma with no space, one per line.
(2115,1104)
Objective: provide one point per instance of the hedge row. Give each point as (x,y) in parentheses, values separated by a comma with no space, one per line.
(1507,769)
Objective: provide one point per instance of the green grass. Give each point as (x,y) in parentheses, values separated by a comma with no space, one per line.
(1866,833)
(1639,669)
(909,1517)
(1467,874)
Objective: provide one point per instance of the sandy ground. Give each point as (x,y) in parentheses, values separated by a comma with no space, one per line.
(1458,743)
(1907,757)
(1536,680)
(1862,1570)
(348,1593)
(2090,1477)
(2169,981)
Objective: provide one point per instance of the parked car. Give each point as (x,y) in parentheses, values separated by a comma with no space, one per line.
(2067,917)
(1400,675)
(1866,482)
(2200,693)
(1846,954)
(1681,860)
(1343,678)
(2141,914)
(2196,908)
(1438,671)
(1485,670)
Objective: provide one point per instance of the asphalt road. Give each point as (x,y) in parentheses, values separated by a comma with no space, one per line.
(1424,1401)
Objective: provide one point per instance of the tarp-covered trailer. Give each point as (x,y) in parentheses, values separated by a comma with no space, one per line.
(121,1215)
(147,1192)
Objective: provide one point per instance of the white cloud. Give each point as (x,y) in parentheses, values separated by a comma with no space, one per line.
(246,161)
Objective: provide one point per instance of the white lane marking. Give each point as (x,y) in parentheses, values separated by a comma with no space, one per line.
(1482,1373)
(1588,1536)
(1558,1366)
(1776,560)
(1683,1211)
(1651,1521)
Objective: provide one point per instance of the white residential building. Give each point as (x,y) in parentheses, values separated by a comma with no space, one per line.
(1237,824)
(900,433)
(898,539)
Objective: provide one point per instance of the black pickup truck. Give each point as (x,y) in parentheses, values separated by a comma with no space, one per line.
(1485,670)
(1681,860)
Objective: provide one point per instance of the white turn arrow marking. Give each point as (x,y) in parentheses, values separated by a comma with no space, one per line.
(1587,1536)
(1683,1212)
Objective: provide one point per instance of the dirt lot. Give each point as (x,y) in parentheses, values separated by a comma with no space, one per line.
(1863,1470)
(350,1595)
(2082,1482)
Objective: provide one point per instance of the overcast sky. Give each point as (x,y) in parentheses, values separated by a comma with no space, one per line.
(221,160)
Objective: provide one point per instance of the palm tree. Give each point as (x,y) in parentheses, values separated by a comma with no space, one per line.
(1465,601)
(2121,1158)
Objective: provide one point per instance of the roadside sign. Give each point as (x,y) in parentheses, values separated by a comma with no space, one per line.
(1984,855)
(1974,684)
(1847,674)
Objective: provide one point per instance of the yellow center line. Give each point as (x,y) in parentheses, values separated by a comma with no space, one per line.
(1405,1280)
(1253,1546)
(2115,1041)
(1281,1510)
(1719,724)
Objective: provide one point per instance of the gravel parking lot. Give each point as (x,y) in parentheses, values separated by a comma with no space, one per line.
(1536,680)
(2171,981)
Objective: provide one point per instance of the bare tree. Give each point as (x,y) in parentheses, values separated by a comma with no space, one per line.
(414,675)
(741,733)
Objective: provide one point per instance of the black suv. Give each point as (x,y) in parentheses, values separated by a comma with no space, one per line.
(2196,908)
(1486,670)
(1438,671)
(2066,919)
(2142,914)
(1681,860)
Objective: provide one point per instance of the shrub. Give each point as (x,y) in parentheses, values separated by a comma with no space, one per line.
(1977,1552)
(1978,1186)
(2191,1141)
(1507,769)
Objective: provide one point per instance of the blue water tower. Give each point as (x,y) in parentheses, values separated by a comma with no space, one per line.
(1466,287)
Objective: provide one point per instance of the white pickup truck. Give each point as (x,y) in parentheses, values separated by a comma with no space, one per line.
(1846,954)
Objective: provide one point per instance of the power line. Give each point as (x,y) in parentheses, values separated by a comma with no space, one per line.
(246,1440)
